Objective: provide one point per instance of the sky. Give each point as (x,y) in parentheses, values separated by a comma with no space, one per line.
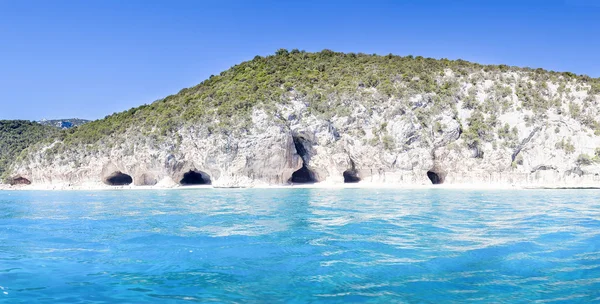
(89,59)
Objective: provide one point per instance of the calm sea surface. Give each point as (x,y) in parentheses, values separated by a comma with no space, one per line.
(300,245)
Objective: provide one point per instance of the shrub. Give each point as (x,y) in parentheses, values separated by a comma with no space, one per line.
(584,159)
(574,110)
(388,142)
(567,146)
(281,52)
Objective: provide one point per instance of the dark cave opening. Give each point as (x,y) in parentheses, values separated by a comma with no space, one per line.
(303,176)
(351,176)
(20,181)
(435,177)
(118,179)
(192,178)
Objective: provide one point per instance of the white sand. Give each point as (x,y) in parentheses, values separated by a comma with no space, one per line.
(322,185)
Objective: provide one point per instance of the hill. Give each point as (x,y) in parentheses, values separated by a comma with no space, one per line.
(305,117)
(16,136)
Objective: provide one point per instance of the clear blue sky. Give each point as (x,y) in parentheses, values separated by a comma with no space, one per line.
(88,59)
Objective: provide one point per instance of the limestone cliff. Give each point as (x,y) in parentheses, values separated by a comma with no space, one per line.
(329,117)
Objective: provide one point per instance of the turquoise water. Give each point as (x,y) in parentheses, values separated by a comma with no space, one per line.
(300,245)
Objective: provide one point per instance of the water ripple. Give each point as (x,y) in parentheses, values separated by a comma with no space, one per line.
(300,245)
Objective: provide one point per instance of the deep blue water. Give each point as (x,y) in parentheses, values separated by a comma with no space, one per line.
(300,245)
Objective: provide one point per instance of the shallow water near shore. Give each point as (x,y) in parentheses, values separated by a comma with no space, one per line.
(300,245)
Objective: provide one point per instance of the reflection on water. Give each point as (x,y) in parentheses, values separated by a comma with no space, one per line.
(339,245)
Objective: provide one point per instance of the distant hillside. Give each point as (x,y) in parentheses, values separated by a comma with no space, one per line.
(298,117)
(16,135)
(64,123)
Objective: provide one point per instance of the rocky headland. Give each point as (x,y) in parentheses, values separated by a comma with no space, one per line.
(334,118)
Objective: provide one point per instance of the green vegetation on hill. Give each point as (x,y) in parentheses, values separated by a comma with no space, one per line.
(16,136)
(322,79)
(332,83)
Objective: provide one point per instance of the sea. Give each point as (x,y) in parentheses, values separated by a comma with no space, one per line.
(300,245)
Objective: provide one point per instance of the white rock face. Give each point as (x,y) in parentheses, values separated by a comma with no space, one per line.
(380,141)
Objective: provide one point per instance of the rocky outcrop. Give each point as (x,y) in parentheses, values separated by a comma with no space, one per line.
(306,149)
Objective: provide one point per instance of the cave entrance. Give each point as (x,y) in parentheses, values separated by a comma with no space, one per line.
(436,178)
(351,176)
(303,176)
(20,181)
(192,178)
(118,179)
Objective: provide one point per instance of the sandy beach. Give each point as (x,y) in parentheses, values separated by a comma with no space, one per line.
(321,185)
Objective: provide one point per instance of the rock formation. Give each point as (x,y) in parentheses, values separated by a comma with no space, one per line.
(464,124)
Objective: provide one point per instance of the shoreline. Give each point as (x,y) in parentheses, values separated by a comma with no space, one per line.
(322,185)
